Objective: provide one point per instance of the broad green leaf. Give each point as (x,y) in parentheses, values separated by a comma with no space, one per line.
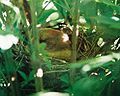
(89,86)
(88,8)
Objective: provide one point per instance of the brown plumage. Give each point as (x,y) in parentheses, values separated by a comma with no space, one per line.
(56,46)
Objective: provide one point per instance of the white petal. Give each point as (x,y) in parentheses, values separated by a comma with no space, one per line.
(48,5)
(115,18)
(6,2)
(39,73)
(13,38)
(82,20)
(5,43)
(53,16)
(86,68)
(100,42)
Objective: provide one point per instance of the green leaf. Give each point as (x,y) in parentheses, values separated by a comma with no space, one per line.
(88,87)
(64,8)
(43,16)
(88,8)
(24,76)
(109,32)
(31,75)
(96,62)
(106,20)
(104,9)
(63,4)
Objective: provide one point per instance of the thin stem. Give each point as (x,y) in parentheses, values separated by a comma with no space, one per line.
(35,46)
(75,19)
(56,71)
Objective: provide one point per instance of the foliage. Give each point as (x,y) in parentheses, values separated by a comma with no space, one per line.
(94,67)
